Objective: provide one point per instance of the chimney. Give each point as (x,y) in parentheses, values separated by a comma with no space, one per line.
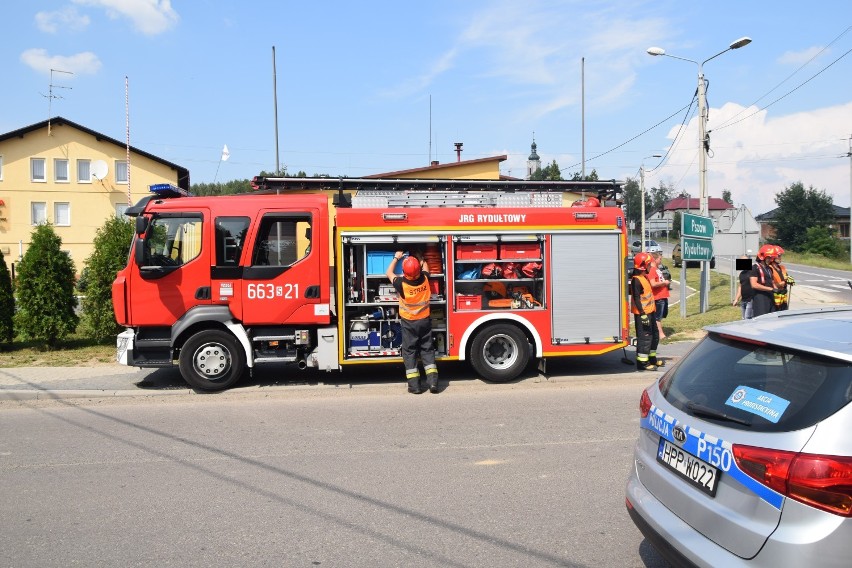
(434,163)
(458,146)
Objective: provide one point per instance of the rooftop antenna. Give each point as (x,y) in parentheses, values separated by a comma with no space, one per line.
(50,96)
(430,129)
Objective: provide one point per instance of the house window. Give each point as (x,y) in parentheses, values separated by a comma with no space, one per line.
(84,171)
(120,208)
(120,171)
(38,212)
(38,169)
(60,170)
(62,214)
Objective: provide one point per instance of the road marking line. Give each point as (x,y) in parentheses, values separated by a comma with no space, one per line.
(820,288)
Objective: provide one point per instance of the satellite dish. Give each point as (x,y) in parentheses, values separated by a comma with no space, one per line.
(99,169)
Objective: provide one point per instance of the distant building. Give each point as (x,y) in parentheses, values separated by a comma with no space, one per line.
(533,162)
(841,223)
(60,172)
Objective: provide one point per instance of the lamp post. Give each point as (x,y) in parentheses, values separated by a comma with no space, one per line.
(703,145)
(642,197)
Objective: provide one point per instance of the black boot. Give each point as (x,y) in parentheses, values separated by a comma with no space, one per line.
(433,383)
(645,366)
(414,386)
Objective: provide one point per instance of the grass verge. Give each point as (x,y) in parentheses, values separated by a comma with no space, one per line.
(75,351)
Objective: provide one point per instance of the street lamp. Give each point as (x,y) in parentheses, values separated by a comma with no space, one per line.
(642,197)
(703,143)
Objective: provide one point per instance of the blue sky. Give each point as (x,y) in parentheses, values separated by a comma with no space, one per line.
(356,81)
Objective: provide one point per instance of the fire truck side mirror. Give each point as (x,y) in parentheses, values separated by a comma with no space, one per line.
(141,224)
(139,251)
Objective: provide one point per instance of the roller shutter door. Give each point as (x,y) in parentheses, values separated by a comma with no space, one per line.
(588,293)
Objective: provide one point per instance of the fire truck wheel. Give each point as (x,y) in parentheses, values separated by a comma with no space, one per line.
(500,352)
(212,360)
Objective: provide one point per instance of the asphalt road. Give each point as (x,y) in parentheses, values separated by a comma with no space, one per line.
(526,474)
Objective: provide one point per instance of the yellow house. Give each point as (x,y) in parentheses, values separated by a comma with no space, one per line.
(487,168)
(481,168)
(63,173)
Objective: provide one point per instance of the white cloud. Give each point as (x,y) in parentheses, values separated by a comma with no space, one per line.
(151,17)
(762,155)
(539,45)
(67,19)
(800,57)
(85,63)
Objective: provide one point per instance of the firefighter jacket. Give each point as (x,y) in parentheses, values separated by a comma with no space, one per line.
(641,295)
(413,297)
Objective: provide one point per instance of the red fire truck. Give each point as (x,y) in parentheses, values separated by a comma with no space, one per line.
(295,272)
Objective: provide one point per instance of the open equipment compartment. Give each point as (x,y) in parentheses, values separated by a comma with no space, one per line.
(371,318)
(494,272)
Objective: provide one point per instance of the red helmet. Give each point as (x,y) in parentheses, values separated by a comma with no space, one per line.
(642,260)
(411,267)
(766,251)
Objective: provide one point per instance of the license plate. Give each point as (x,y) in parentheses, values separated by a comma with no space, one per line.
(696,471)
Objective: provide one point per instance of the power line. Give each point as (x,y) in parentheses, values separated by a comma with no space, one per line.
(805,64)
(790,92)
(630,140)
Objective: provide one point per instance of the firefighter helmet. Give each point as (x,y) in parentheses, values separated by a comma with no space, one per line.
(766,251)
(411,267)
(642,260)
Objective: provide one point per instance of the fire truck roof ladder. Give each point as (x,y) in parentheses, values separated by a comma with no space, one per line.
(443,192)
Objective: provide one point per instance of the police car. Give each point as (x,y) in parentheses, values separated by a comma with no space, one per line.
(744,456)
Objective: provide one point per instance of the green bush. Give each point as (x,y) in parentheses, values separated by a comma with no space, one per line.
(821,240)
(45,288)
(112,241)
(7,303)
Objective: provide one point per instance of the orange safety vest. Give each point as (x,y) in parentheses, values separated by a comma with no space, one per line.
(414,300)
(779,280)
(646,299)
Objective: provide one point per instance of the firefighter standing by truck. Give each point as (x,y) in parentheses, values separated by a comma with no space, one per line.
(415,320)
(643,308)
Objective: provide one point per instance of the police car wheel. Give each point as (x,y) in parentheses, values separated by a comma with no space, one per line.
(212,360)
(500,352)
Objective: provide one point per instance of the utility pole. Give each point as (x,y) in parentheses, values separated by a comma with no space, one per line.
(849,155)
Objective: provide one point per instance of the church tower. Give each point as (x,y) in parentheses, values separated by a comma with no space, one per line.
(533,162)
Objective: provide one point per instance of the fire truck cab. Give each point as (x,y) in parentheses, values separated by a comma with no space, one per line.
(296,273)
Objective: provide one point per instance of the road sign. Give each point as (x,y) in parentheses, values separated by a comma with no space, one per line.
(697,227)
(696,249)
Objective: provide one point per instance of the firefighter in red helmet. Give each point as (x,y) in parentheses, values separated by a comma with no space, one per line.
(643,308)
(415,320)
(762,285)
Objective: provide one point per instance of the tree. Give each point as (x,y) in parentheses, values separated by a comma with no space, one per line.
(660,196)
(112,241)
(676,225)
(632,202)
(798,210)
(547,173)
(578,176)
(7,303)
(45,285)
(726,196)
